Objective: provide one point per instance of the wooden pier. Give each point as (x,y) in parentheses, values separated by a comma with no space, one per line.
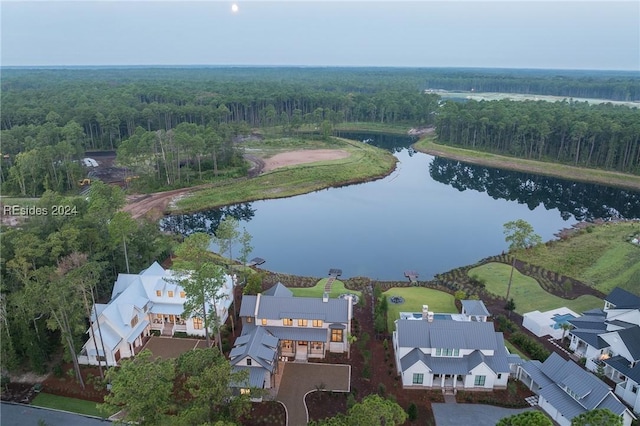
(256,261)
(333,274)
(412,275)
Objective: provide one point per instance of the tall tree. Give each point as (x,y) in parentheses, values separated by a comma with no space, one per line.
(227,234)
(598,417)
(201,280)
(142,388)
(121,227)
(520,235)
(528,418)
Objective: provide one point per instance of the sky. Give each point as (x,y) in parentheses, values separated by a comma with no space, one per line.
(599,35)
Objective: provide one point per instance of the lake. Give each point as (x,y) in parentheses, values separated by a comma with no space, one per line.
(430,215)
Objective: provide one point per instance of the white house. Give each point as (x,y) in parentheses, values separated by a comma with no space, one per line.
(565,390)
(609,339)
(450,355)
(548,323)
(151,300)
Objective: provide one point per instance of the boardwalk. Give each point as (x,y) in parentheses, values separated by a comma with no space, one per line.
(412,275)
(333,274)
(256,261)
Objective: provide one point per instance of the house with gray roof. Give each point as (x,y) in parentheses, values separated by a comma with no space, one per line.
(609,339)
(306,327)
(475,310)
(450,355)
(140,303)
(565,390)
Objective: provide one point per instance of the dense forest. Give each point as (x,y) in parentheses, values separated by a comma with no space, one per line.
(603,136)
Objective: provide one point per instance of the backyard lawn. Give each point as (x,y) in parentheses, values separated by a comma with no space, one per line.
(414,298)
(337,288)
(526,292)
(73,405)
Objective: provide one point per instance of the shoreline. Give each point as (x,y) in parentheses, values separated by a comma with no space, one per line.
(427,145)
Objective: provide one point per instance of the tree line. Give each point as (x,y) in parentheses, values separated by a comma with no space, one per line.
(576,133)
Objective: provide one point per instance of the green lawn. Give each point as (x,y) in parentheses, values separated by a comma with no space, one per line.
(337,288)
(414,298)
(67,404)
(514,350)
(602,258)
(526,292)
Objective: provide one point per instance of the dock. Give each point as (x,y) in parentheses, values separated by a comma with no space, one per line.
(333,274)
(256,261)
(412,275)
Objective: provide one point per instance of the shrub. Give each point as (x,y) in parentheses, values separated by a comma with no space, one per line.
(530,346)
(382,389)
(351,401)
(412,412)
(366,371)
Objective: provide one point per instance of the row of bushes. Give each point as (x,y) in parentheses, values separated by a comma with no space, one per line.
(533,348)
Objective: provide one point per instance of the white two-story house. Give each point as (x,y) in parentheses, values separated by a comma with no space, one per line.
(450,355)
(151,300)
(609,340)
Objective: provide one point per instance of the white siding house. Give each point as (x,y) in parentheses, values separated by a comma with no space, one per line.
(140,303)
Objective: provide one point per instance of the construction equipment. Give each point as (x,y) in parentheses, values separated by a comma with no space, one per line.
(84,182)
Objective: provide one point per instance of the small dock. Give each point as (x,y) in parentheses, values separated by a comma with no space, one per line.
(412,275)
(256,261)
(333,274)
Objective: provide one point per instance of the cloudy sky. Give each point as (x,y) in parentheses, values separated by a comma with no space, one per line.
(419,33)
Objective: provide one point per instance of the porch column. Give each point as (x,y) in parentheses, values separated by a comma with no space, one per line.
(442,380)
(455,379)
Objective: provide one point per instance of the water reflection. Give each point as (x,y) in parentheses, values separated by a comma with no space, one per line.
(206,221)
(583,201)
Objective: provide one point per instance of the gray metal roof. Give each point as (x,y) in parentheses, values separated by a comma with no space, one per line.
(562,401)
(613,404)
(474,307)
(256,376)
(334,310)
(454,365)
(307,334)
(631,338)
(534,370)
(592,337)
(411,358)
(248,305)
(446,334)
(259,345)
(621,364)
(278,290)
(622,299)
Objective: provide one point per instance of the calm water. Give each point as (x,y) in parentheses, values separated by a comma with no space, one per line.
(430,215)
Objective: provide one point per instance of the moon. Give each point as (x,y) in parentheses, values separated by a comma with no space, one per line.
(234,8)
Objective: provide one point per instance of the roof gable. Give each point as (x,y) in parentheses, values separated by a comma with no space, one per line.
(278,290)
(622,299)
(446,334)
(474,307)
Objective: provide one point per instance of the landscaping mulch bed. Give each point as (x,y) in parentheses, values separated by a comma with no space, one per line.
(269,413)
(18,392)
(512,397)
(67,385)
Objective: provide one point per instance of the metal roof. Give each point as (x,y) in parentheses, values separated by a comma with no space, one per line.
(333,310)
(631,338)
(299,333)
(534,370)
(259,345)
(136,332)
(248,305)
(454,365)
(592,337)
(621,364)
(278,290)
(474,307)
(256,377)
(562,401)
(622,299)
(446,334)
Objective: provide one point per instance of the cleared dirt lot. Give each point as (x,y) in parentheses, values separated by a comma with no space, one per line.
(303,156)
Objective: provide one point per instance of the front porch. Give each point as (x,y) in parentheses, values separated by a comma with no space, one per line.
(302,350)
(168,324)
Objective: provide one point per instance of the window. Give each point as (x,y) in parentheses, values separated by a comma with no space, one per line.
(182,295)
(302,323)
(447,352)
(170,293)
(634,389)
(264,321)
(287,321)
(134,321)
(197,323)
(159,293)
(317,323)
(479,380)
(245,391)
(418,378)
(286,344)
(499,376)
(248,361)
(249,319)
(316,346)
(336,335)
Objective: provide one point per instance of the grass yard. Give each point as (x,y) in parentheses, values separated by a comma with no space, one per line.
(526,292)
(337,288)
(414,298)
(601,258)
(365,162)
(73,405)
(514,350)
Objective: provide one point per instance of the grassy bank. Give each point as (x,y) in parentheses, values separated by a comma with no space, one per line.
(63,403)
(363,164)
(604,177)
(337,288)
(600,256)
(396,129)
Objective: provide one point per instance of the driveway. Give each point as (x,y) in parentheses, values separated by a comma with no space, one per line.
(172,347)
(471,414)
(298,379)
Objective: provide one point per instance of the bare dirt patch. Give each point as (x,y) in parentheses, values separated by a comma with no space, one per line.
(303,156)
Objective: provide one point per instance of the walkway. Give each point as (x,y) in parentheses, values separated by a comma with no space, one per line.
(333,274)
(298,379)
(559,348)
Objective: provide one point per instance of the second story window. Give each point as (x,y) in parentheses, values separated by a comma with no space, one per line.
(159,293)
(287,321)
(317,323)
(170,293)
(302,323)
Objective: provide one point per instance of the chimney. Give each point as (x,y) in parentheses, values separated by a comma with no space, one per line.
(255,312)
(425,311)
(325,297)
(430,316)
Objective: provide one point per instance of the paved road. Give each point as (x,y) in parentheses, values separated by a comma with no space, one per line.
(300,378)
(471,414)
(28,415)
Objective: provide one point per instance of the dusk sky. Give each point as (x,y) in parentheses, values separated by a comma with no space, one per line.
(423,33)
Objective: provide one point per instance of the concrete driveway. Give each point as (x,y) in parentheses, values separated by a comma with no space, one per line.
(298,379)
(471,414)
